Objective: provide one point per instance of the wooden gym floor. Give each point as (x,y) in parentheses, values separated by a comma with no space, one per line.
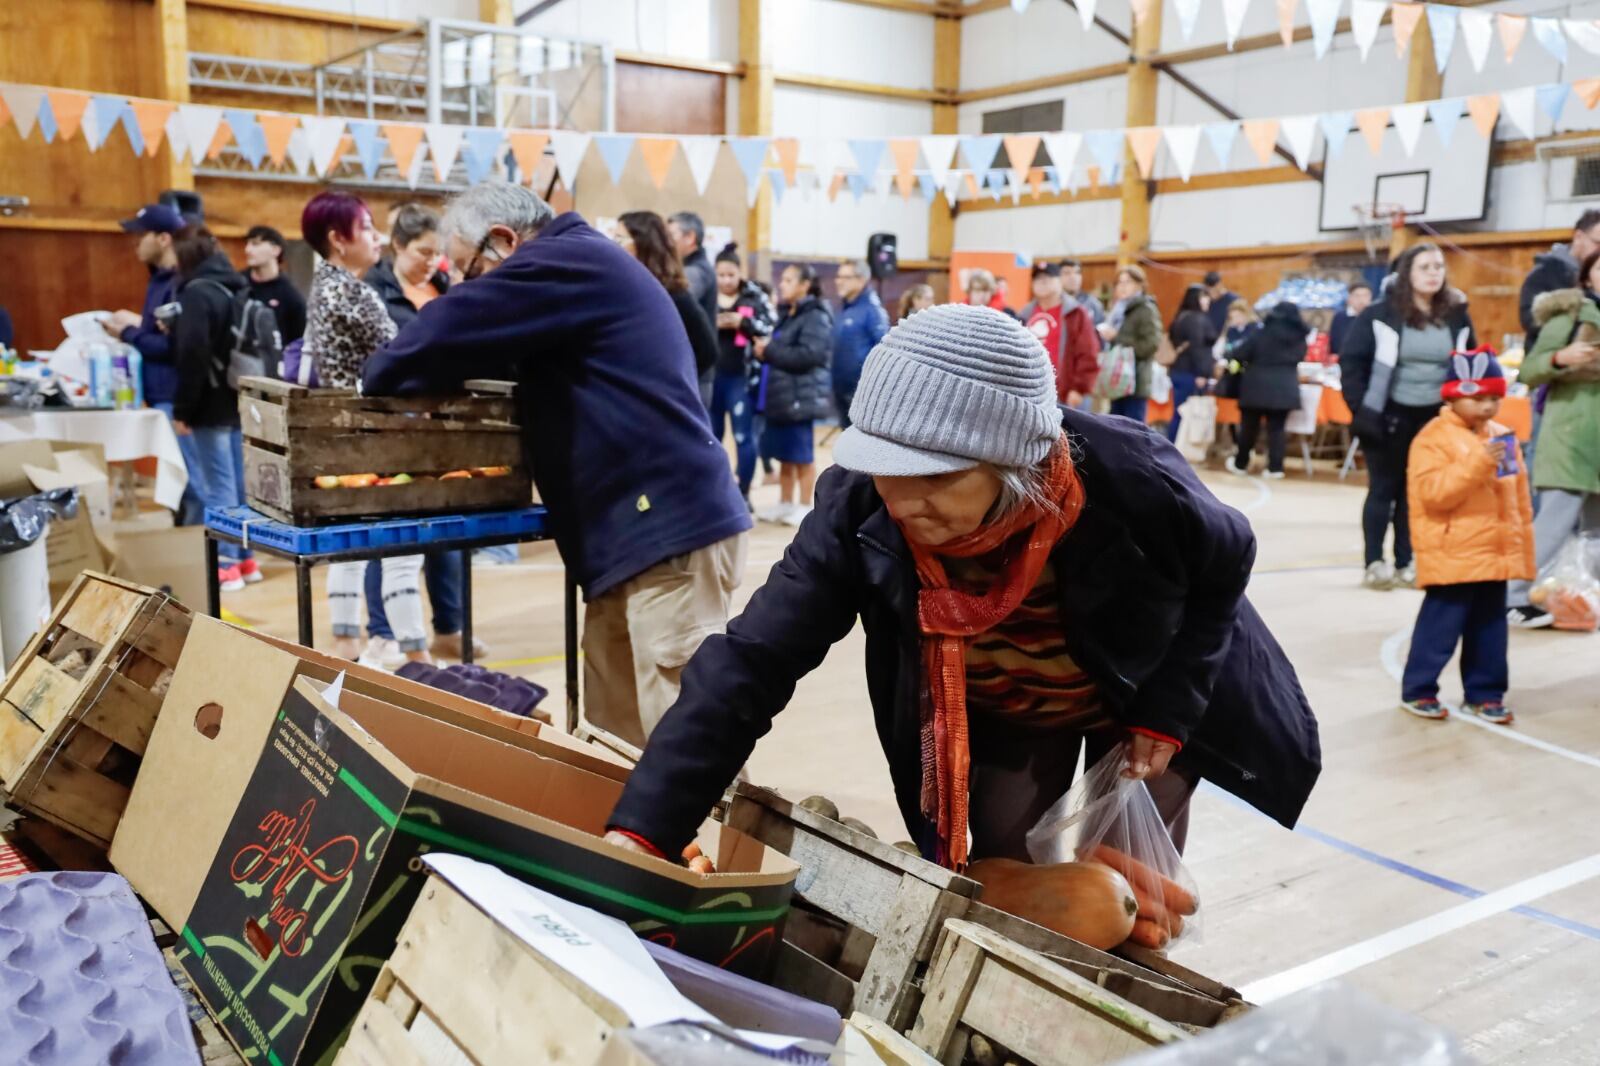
(1451,869)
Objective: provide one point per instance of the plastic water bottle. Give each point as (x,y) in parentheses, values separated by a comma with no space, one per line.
(121,383)
(136,372)
(100,375)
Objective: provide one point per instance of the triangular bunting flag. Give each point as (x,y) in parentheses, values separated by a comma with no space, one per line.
(569,147)
(868,152)
(1141,10)
(1517,106)
(300,153)
(1020,150)
(1143,140)
(1093,174)
(1548,33)
(779,185)
(1408,120)
(857,185)
(787,149)
(927,186)
(1106,147)
(1063,148)
(1222,136)
(979,151)
(102,117)
(1286,21)
(939,152)
(527,149)
(248,136)
(881,182)
(1053,179)
(403,138)
(1372,122)
(1365,15)
(1588,90)
(47,121)
(1335,128)
(23,102)
(224,136)
(1301,133)
(1188,12)
(903,152)
(1477,29)
(1183,144)
(615,148)
(1484,110)
(905,183)
(1585,35)
(1553,99)
(1086,13)
(701,155)
(1324,21)
(657,153)
(199,128)
(1019,6)
(1442,28)
(149,117)
(67,108)
(1262,133)
(1445,114)
(1404,16)
(368,144)
(1513,28)
(751,155)
(324,132)
(954,182)
(1233,13)
(277,128)
(481,151)
(835,185)
(1035,181)
(177,140)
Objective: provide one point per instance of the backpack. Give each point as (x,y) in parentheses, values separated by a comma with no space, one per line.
(257,345)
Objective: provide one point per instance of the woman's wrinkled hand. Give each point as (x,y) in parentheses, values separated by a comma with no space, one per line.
(1147,756)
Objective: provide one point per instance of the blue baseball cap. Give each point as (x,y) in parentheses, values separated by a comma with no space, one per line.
(154,218)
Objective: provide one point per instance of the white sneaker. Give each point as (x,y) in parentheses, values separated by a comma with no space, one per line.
(775,514)
(1379,576)
(1273,475)
(1234,470)
(382,654)
(796,515)
(1406,577)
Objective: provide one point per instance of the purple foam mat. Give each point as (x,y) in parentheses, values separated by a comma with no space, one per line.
(81,978)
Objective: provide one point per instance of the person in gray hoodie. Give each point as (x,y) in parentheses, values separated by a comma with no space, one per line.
(1557,269)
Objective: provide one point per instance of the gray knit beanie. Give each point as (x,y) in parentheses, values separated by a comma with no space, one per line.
(948,388)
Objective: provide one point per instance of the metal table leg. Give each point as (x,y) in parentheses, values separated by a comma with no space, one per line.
(572,654)
(466,605)
(213,584)
(302,576)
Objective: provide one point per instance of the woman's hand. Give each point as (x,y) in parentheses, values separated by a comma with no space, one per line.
(1575,355)
(728,319)
(181,428)
(1147,756)
(761,347)
(627,843)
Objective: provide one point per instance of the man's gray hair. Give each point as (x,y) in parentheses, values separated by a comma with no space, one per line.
(860,267)
(495,203)
(690,222)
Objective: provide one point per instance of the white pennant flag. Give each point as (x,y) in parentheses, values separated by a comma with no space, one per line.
(1517,106)
(881,182)
(1086,13)
(23,102)
(1408,119)
(701,155)
(569,148)
(952,186)
(1301,133)
(1324,20)
(1063,148)
(177,142)
(323,134)
(1188,12)
(444,142)
(1477,32)
(93,135)
(1364,18)
(1233,12)
(299,151)
(199,128)
(940,152)
(1183,143)
(1585,35)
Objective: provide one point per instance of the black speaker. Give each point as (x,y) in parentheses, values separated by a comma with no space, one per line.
(188,203)
(882,255)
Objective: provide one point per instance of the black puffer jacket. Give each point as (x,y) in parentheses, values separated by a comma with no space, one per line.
(1271,355)
(799,386)
(387,283)
(202,344)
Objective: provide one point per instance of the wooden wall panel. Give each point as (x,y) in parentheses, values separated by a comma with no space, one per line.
(240,203)
(274,36)
(722,205)
(665,100)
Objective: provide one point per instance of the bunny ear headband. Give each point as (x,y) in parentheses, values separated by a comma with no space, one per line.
(1474,373)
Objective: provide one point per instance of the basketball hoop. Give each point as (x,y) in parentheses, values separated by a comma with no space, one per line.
(1377,223)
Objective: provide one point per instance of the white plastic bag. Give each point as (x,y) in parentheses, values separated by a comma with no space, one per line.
(1110,819)
(1160,384)
(1199,427)
(1568,587)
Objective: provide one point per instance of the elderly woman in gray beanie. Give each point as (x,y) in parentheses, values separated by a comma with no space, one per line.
(1031,580)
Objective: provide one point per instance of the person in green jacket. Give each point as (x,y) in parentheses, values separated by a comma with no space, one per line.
(1139,329)
(1566,465)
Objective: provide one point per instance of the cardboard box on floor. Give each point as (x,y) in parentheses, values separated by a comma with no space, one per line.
(280,834)
(31,466)
(150,550)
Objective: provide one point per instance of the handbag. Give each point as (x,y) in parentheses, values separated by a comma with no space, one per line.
(1166,354)
(1227,386)
(1119,373)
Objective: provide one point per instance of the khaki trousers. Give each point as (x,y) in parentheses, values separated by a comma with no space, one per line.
(638,637)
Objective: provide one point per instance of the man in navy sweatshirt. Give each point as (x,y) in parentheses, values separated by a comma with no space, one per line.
(642,500)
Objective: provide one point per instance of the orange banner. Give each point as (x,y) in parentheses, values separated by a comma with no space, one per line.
(527,149)
(1144,140)
(657,153)
(1372,122)
(151,117)
(1021,150)
(277,128)
(1484,110)
(403,140)
(68,108)
(1405,16)
(787,150)
(1262,133)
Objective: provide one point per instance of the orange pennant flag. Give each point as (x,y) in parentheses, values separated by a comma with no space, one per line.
(657,153)
(1262,133)
(903,150)
(277,127)
(787,150)
(151,116)
(1588,90)
(1406,17)
(68,108)
(219,140)
(5,112)
(1286,21)
(1372,122)
(527,149)
(403,139)
(905,184)
(1513,28)
(835,185)
(1141,10)
(1484,110)
(972,187)
(1093,174)
(1143,141)
(1021,150)
(1036,180)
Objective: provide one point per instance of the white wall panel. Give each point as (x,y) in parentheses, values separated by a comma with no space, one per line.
(799,111)
(1060,229)
(389,9)
(836,39)
(1092,105)
(1002,46)
(686,29)
(1236,218)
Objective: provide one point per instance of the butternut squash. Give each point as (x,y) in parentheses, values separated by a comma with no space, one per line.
(1086,901)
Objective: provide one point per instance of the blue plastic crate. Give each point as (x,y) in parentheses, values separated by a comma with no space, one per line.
(267,533)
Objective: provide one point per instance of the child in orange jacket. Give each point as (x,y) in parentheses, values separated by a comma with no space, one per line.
(1472,530)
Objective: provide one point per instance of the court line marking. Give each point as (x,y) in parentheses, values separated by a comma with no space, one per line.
(1380,947)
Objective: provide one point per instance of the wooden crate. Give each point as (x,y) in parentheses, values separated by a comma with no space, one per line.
(292,435)
(867,1041)
(78,706)
(1039,1011)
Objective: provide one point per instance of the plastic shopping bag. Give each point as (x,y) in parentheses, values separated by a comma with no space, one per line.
(1119,373)
(1569,588)
(1109,819)
(1198,429)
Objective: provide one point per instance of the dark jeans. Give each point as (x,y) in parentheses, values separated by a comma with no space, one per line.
(1134,407)
(1183,387)
(442,572)
(1386,481)
(1473,614)
(733,406)
(1250,429)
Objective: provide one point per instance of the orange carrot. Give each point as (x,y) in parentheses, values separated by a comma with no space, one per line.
(1142,878)
(1148,934)
(1152,908)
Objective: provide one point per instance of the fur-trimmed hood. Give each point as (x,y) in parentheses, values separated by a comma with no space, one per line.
(1557,302)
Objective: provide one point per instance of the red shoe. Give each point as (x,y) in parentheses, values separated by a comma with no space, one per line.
(251,572)
(229,579)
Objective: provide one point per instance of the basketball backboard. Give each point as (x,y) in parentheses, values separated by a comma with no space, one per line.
(1436,183)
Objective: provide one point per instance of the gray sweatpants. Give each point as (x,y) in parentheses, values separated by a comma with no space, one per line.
(1561,513)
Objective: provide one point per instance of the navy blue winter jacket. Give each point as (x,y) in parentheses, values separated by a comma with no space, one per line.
(861,324)
(619,443)
(160,365)
(1151,581)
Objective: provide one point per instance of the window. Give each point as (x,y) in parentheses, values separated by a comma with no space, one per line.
(1030,118)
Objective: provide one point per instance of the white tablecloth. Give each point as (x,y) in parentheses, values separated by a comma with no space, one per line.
(125,436)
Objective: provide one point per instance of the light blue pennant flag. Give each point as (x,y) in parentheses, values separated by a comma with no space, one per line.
(615,148)
(750,153)
(1445,114)
(869,156)
(1222,136)
(370,143)
(980,151)
(1335,128)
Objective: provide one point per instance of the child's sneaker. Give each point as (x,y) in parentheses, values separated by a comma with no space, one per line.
(1274,475)
(1406,577)
(1494,712)
(1425,708)
(250,570)
(1379,576)
(229,579)
(1529,617)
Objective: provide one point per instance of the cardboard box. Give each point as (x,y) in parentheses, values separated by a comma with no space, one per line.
(281,834)
(172,560)
(27,467)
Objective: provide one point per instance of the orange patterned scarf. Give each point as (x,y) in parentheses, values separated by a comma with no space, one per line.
(949,617)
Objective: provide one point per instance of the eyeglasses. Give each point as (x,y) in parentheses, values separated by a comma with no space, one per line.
(475,267)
